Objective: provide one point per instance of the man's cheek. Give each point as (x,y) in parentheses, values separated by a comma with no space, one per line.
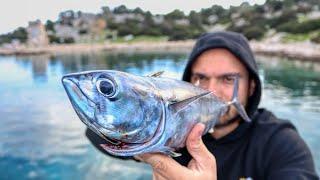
(228,96)
(231,112)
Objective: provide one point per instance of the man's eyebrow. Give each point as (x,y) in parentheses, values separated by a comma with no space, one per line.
(229,74)
(219,76)
(199,74)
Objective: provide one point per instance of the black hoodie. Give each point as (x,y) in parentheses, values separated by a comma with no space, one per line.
(238,45)
(266,148)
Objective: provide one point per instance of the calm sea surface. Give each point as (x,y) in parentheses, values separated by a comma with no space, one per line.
(42,138)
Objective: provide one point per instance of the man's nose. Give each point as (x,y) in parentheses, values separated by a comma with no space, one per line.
(213,86)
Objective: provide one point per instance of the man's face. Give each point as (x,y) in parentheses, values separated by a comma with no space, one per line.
(215,70)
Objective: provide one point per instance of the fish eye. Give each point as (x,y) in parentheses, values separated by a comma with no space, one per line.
(106,87)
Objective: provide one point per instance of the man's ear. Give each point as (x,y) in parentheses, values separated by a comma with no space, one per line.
(252,87)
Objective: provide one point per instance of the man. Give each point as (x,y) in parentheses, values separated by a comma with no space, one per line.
(266,148)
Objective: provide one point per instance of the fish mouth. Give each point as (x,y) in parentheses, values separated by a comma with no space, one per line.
(83,105)
(70,85)
(119,148)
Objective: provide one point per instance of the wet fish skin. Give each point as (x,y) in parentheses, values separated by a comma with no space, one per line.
(119,117)
(145,114)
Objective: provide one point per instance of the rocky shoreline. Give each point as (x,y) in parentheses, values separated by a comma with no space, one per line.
(84,48)
(301,51)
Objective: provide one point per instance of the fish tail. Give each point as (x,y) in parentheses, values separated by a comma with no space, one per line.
(236,103)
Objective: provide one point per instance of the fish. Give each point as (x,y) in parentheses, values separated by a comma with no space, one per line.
(144,114)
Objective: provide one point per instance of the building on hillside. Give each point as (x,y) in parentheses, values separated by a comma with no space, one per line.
(37,35)
(86,27)
(182,22)
(121,18)
(158,19)
(66,33)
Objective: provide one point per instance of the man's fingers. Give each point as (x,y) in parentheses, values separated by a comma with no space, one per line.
(138,158)
(197,149)
(163,165)
(157,176)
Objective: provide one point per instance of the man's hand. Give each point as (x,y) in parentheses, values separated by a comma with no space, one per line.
(201,166)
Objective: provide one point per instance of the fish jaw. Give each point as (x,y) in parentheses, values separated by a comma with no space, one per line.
(83,106)
(127,149)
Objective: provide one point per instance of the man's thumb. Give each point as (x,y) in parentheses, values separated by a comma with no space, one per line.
(196,147)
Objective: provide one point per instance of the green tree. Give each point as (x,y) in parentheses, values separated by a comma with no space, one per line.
(175,15)
(121,10)
(49,26)
(195,19)
(67,17)
(18,34)
(106,11)
(138,11)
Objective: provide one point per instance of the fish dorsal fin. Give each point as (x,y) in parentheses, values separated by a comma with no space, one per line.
(156,74)
(176,106)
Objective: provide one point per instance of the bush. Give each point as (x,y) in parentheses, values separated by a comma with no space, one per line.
(182,32)
(254,32)
(316,38)
(288,27)
(68,40)
(130,26)
(124,30)
(151,31)
(287,16)
(53,39)
(310,25)
(303,27)
(288,38)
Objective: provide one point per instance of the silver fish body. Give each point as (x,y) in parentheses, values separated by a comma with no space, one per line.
(137,114)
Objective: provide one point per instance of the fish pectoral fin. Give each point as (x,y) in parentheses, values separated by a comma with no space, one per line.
(156,74)
(211,130)
(178,105)
(170,151)
(174,154)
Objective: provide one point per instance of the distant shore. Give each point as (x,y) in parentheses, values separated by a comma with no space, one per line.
(177,46)
(301,51)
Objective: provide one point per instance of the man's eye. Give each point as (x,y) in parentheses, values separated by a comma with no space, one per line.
(195,78)
(201,77)
(229,79)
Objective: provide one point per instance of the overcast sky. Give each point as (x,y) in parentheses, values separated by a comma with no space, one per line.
(16,13)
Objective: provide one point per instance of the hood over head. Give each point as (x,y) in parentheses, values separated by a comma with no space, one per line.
(238,45)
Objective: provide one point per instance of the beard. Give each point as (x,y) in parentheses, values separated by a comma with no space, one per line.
(220,124)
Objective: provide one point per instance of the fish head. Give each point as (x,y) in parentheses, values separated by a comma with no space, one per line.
(120,107)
